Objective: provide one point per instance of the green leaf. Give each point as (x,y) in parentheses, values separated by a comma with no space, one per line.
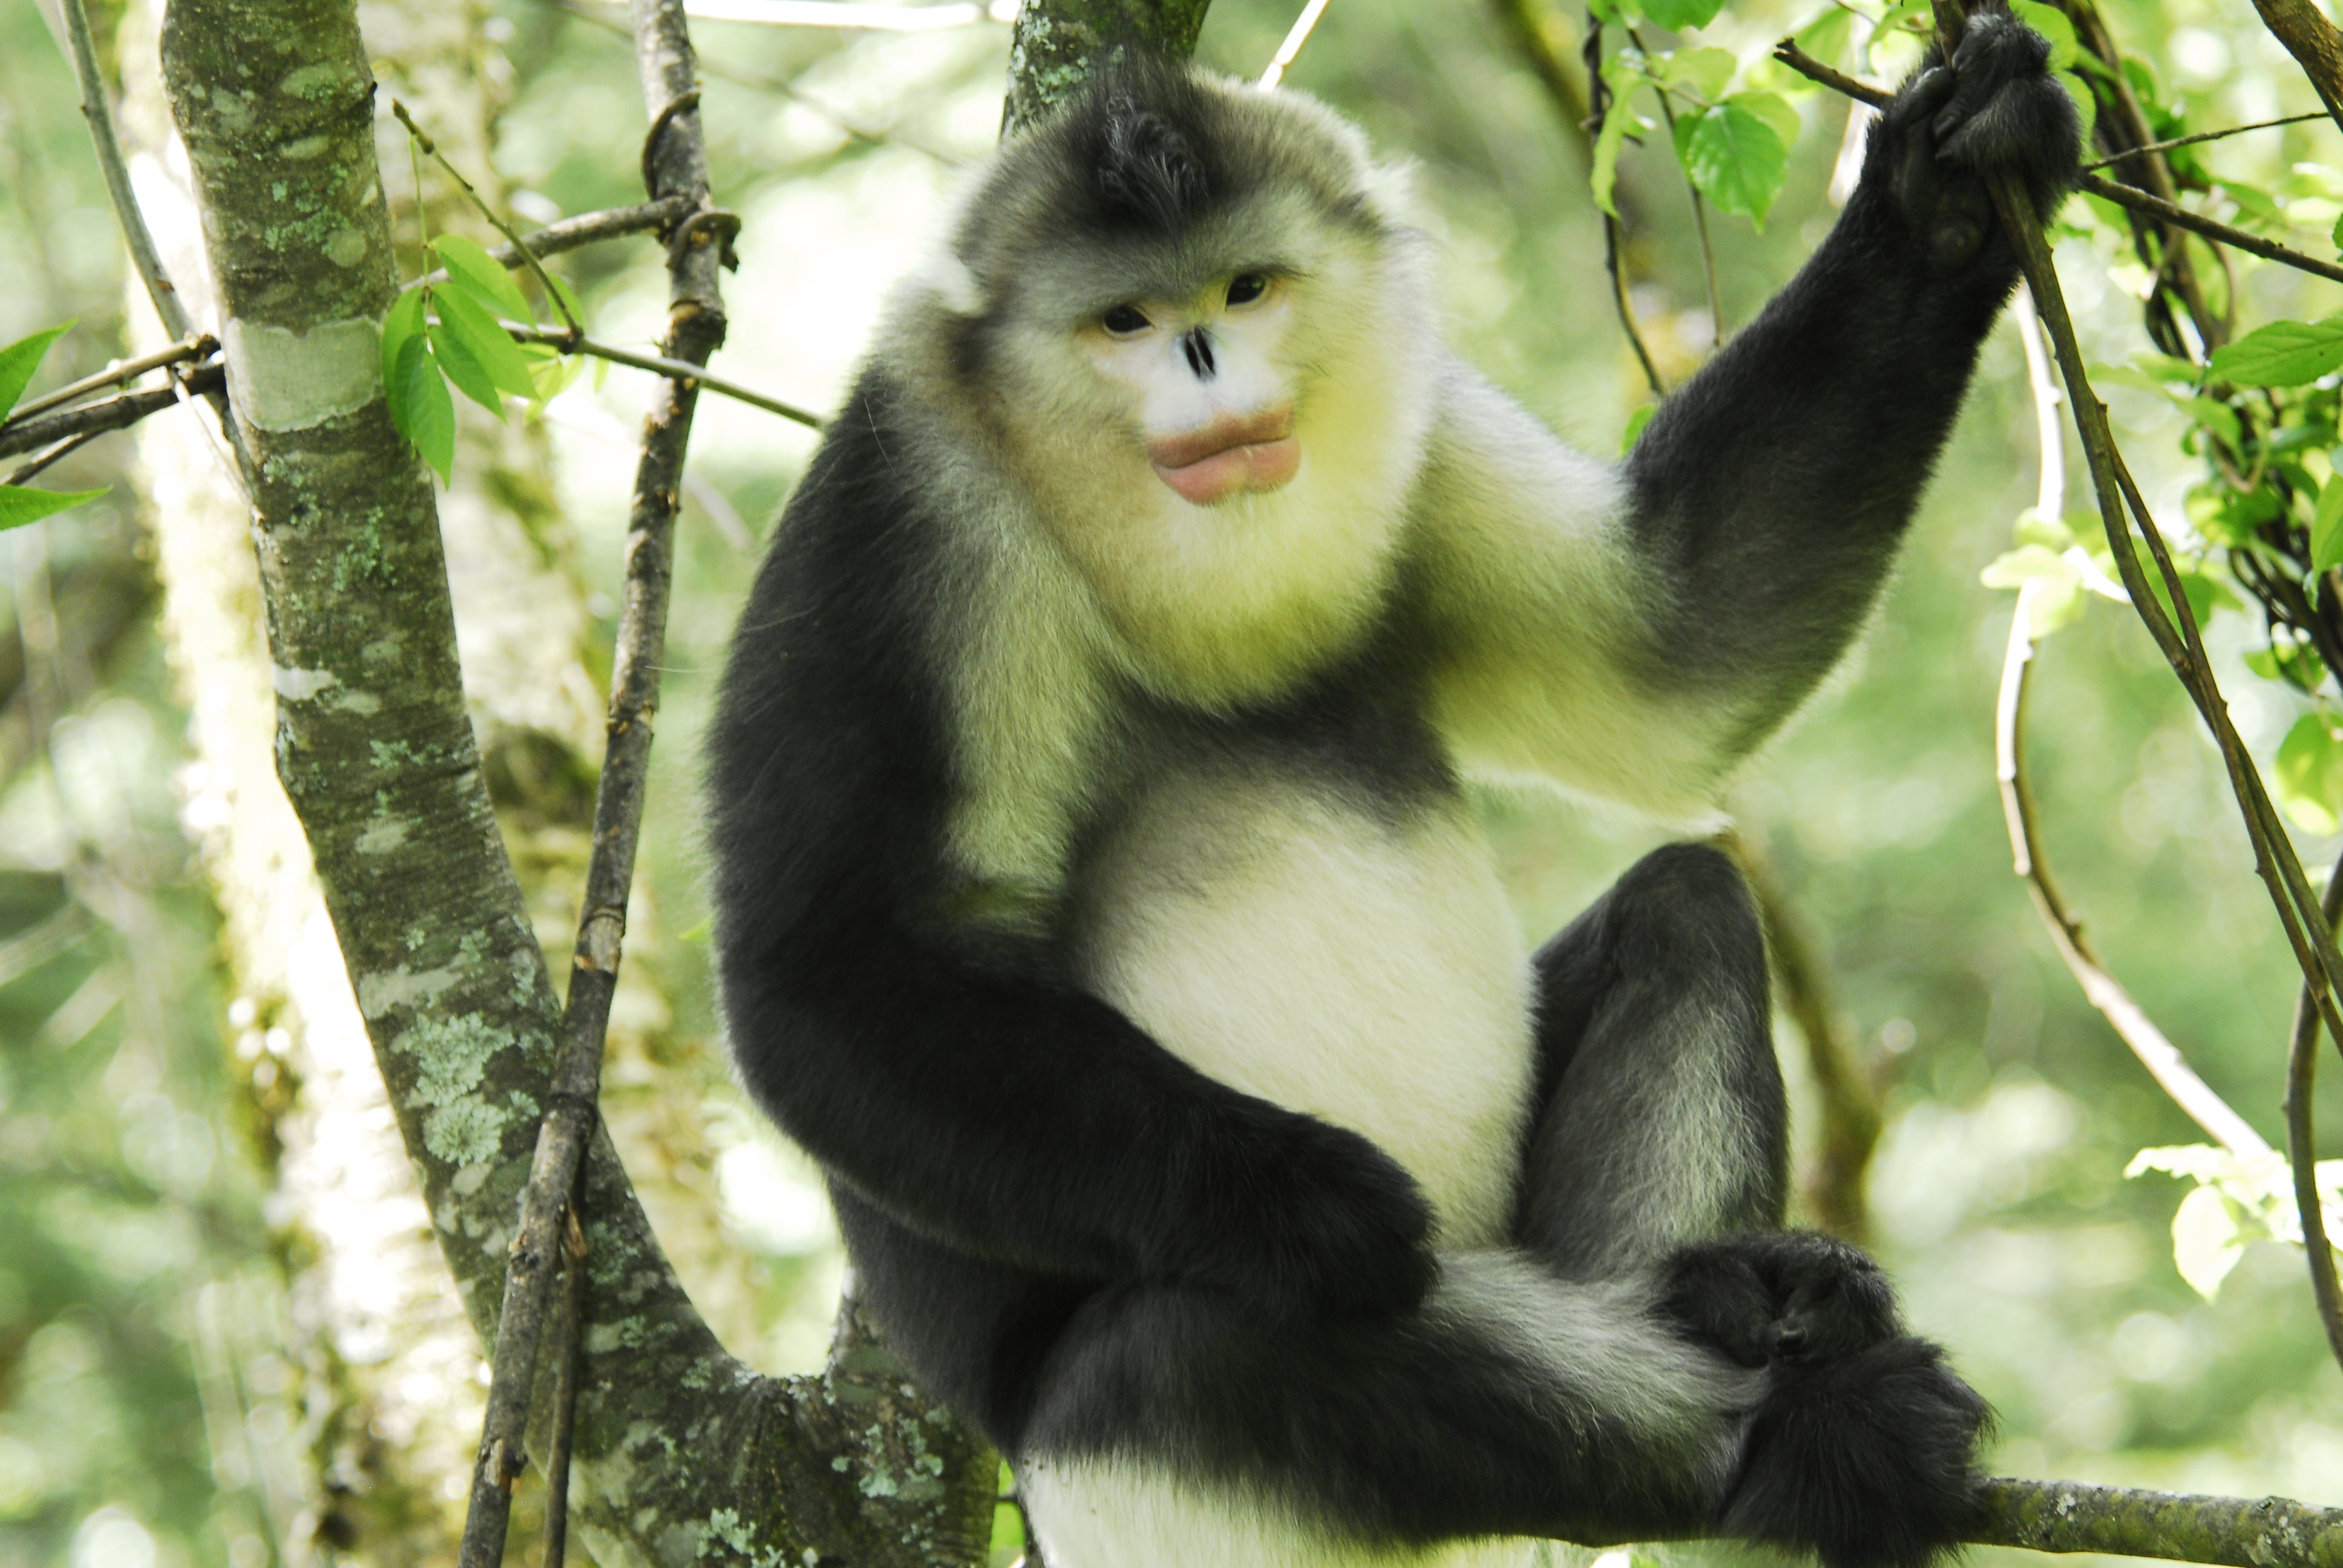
(2283,354)
(2206,1243)
(1677,15)
(2327,527)
(1700,72)
(20,359)
(2053,24)
(402,326)
(421,409)
(468,263)
(1774,110)
(1733,157)
(488,345)
(19,505)
(2309,774)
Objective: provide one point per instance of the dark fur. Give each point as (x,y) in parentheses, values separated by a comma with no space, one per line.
(1085,1245)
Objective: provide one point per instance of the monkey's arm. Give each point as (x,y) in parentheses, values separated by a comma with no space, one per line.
(1761,507)
(955,1078)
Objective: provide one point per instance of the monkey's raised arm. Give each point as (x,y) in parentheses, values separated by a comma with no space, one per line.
(1762,506)
(960,1081)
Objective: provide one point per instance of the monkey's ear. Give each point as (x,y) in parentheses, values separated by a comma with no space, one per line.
(947,279)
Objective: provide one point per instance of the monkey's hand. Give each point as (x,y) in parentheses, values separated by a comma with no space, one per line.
(1864,1448)
(1993,110)
(1792,1296)
(1304,1219)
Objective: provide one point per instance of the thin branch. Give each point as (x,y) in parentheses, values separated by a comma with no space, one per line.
(2197,223)
(2302,1145)
(1295,36)
(169,307)
(2204,136)
(2162,1059)
(675,163)
(660,364)
(1613,230)
(200,347)
(565,1389)
(2155,1052)
(2140,201)
(2235,1532)
(109,414)
(62,449)
(512,240)
(1699,220)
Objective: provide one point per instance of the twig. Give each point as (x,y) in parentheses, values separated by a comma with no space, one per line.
(201,346)
(572,233)
(431,149)
(2302,1145)
(1699,220)
(2197,223)
(169,307)
(2140,201)
(107,414)
(2155,1050)
(1600,91)
(2204,136)
(676,164)
(663,365)
(565,1388)
(2162,1059)
(1295,36)
(2235,1532)
(64,448)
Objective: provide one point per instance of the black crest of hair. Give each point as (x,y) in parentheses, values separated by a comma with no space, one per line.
(1147,133)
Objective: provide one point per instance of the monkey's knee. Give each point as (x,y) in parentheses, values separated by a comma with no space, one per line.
(1685,908)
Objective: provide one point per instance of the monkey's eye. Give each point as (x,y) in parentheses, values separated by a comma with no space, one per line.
(1124,320)
(1247,286)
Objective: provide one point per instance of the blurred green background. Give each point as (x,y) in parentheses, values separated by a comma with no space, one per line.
(178,1387)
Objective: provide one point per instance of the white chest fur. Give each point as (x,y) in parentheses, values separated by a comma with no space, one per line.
(1323,956)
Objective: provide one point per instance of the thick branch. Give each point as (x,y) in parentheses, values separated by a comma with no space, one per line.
(2236,1532)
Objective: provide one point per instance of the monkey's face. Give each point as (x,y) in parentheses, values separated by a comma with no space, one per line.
(1207,383)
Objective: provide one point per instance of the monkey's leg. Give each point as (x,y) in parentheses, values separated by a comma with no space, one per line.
(1660,1154)
(1664,1120)
(1180,1427)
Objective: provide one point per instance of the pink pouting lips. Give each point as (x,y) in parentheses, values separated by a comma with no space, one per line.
(1234,453)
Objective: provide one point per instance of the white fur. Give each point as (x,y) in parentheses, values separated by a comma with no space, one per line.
(1290,943)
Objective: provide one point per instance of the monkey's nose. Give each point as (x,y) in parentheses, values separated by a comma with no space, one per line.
(1198,346)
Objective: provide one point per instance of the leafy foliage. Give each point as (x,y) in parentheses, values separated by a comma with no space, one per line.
(2237,1200)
